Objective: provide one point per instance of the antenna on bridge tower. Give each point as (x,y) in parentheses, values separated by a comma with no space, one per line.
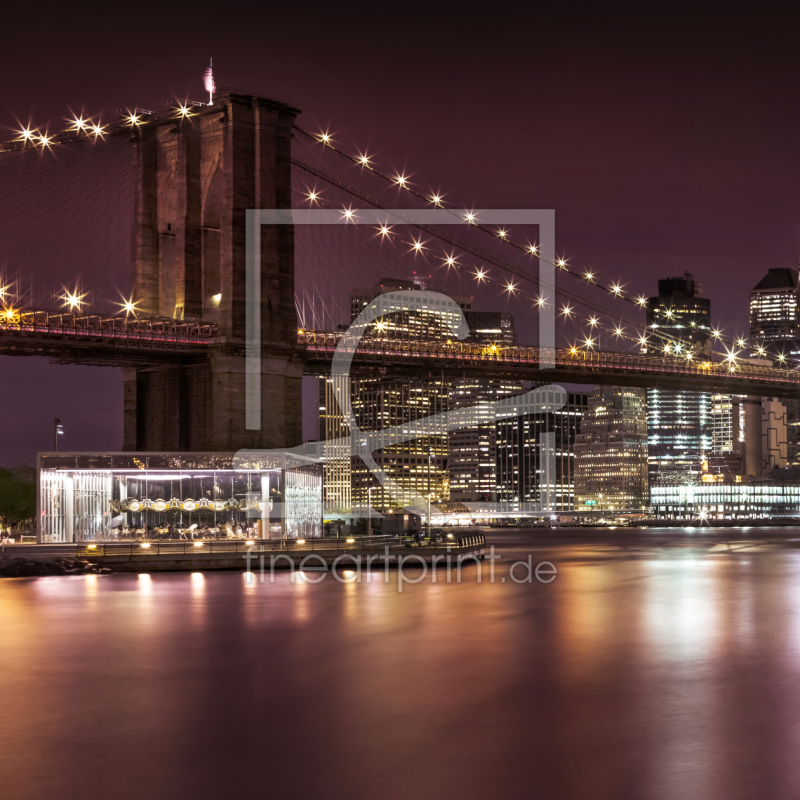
(208,81)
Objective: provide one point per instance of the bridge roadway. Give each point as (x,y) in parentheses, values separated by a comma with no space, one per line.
(94,339)
(562,365)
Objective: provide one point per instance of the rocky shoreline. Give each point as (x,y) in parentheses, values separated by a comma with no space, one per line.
(30,568)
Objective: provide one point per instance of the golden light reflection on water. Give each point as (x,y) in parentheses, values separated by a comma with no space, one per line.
(90,582)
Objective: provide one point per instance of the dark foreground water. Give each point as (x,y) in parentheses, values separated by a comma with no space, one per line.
(654,666)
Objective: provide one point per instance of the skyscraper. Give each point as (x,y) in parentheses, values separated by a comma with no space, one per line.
(473,451)
(775,326)
(773,308)
(611,450)
(678,421)
(536,456)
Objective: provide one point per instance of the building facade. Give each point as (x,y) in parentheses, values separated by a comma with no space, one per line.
(726,501)
(773,308)
(775,326)
(536,457)
(473,452)
(611,450)
(679,422)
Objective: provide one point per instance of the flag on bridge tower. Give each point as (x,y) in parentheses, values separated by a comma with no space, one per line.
(208,81)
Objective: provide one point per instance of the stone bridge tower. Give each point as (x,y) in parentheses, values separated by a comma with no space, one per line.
(196,177)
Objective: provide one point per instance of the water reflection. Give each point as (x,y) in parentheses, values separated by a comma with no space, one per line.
(655,673)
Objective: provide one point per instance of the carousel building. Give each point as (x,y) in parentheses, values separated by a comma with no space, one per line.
(84,497)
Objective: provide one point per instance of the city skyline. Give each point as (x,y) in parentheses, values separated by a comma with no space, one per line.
(644,198)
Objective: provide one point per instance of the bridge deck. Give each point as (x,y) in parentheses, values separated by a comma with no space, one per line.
(562,365)
(120,342)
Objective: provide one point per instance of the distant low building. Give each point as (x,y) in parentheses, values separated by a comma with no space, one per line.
(758,500)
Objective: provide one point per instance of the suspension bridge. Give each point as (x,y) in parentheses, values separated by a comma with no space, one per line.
(124,246)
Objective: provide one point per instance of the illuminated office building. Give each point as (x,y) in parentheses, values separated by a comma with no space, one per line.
(773,308)
(473,451)
(536,457)
(775,326)
(611,450)
(678,421)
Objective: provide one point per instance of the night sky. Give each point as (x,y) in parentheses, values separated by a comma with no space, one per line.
(664,144)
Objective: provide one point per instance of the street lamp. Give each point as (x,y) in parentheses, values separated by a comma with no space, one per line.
(369,510)
(430,453)
(58,430)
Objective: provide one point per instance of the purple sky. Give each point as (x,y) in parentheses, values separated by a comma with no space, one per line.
(664,144)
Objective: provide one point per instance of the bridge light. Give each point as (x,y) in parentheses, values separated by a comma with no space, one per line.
(532,249)
(781,357)
(589,342)
(502,233)
(540,301)
(689,356)
(72,300)
(436,199)
(418,245)
(642,301)
(566,311)
(470,217)
(97,130)
(324,138)
(79,124)
(480,275)
(761,351)
(381,325)
(401,180)
(667,348)
(573,350)
(618,331)
(588,275)
(45,140)
(133,119)
(741,342)
(27,134)
(128,306)
(312,196)
(715,334)
(593,321)
(184,110)
(363,159)
(348,213)
(385,230)
(670,313)
(617,289)
(451,261)
(643,341)
(510,287)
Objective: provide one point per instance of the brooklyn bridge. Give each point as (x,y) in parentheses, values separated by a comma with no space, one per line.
(183,325)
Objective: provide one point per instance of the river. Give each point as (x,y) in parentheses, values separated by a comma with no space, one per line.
(656,664)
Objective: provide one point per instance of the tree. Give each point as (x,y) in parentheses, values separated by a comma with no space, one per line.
(17,495)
